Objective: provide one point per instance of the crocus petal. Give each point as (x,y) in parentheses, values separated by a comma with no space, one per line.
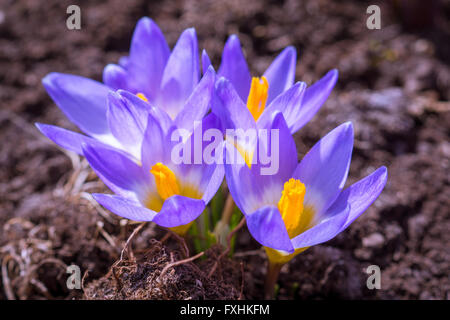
(206,62)
(178,210)
(203,168)
(289,103)
(159,114)
(281,73)
(148,57)
(263,183)
(230,109)
(280,145)
(123,61)
(82,100)
(198,103)
(124,207)
(127,122)
(267,227)
(213,182)
(118,171)
(115,77)
(241,182)
(324,168)
(247,185)
(360,195)
(67,139)
(317,94)
(181,74)
(234,67)
(236,120)
(154,145)
(323,231)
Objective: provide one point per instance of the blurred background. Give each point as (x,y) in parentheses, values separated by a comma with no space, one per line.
(394,84)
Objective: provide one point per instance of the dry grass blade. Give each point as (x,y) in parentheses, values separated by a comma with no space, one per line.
(177,263)
(127,249)
(5,278)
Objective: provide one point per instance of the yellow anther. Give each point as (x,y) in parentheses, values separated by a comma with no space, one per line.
(166,181)
(246,154)
(142,96)
(296,217)
(291,207)
(257,98)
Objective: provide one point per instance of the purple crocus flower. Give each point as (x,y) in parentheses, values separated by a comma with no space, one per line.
(302,204)
(276,90)
(166,80)
(155,188)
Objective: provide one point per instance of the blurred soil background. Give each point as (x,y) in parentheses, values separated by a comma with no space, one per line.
(394,84)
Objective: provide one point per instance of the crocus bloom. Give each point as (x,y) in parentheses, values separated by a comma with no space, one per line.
(166,80)
(275,90)
(304,203)
(156,188)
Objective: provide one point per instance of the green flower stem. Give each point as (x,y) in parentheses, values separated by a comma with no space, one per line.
(273,270)
(222,228)
(227,210)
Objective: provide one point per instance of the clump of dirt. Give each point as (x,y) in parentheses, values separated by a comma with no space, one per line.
(61,232)
(160,273)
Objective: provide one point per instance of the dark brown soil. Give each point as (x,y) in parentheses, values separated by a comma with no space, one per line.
(394,84)
(150,276)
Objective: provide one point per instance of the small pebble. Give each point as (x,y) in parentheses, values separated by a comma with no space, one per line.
(375,240)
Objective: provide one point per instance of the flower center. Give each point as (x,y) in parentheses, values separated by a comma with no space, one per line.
(142,96)
(166,181)
(295,217)
(257,98)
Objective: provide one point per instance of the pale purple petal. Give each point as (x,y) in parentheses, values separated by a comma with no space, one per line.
(115,77)
(178,210)
(123,61)
(203,168)
(267,227)
(148,57)
(317,94)
(281,73)
(324,168)
(159,114)
(154,145)
(234,67)
(277,154)
(230,109)
(67,139)
(325,230)
(82,100)
(245,185)
(289,103)
(117,170)
(124,207)
(360,195)
(213,180)
(263,183)
(127,122)
(206,62)
(198,103)
(181,74)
